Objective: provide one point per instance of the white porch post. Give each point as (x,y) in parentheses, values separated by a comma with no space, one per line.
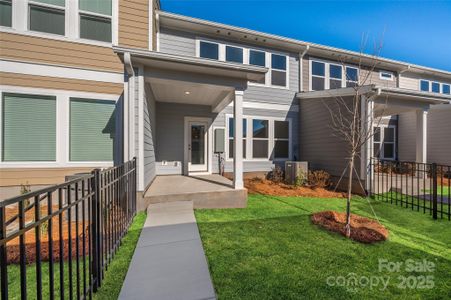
(421,138)
(238,140)
(367,148)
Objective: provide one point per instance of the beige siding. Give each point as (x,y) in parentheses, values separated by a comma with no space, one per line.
(305,74)
(412,81)
(134,23)
(37,176)
(60,83)
(36,49)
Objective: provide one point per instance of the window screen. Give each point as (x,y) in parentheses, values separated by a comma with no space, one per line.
(5,13)
(92,130)
(95,28)
(29,128)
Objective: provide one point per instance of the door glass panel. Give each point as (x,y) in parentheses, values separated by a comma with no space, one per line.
(197,144)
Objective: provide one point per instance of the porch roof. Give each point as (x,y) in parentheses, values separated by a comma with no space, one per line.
(381,92)
(193,64)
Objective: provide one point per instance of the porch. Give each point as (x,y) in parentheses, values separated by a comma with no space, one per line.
(205,191)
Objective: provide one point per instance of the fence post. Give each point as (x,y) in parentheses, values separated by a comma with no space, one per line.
(3,258)
(434,190)
(95,229)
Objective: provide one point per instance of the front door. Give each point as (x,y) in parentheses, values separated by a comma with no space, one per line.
(197,146)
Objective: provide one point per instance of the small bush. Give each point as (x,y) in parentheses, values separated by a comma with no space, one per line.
(276,175)
(25,189)
(320,179)
(301,179)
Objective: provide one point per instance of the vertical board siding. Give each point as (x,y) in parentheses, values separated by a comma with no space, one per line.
(134,23)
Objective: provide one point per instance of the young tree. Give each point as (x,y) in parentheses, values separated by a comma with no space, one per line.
(347,121)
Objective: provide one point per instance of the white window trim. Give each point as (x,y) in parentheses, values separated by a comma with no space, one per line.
(51,7)
(382,142)
(327,77)
(392,75)
(268,57)
(20,23)
(62,127)
(441,84)
(249,138)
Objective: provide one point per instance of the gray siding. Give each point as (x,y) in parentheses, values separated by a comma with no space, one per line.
(149,136)
(439,141)
(412,81)
(177,42)
(320,147)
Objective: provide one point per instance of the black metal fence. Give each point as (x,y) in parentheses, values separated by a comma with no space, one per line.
(57,242)
(422,187)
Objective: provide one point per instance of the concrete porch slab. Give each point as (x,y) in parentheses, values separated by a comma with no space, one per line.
(205,191)
(169,260)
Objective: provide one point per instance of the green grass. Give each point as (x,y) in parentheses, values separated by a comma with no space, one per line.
(270,250)
(111,285)
(441,190)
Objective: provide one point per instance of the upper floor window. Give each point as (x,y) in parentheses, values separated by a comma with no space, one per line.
(335,76)
(95,20)
(352,76)
(278,70)
(318,76)
(209,50)
(434,87)
(424,85)
(234,54)
(257,58)
(446,89)
(385,75)
(47,16)
(5,13)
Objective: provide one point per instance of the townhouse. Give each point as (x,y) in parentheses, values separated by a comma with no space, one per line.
(89,84)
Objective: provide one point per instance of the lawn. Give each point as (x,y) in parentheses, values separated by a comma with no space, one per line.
(111,285)
(270,250)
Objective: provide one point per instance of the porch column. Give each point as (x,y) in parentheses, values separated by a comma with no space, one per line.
(421,138)
(367,148)
(238,140)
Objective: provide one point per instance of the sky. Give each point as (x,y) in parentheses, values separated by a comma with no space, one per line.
(417,32)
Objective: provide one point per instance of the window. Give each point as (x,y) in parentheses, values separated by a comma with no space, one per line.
(47,16)
(424,85)
(281,139)
(209,50)
(5,13)
(318,76)
(231,136)
(279,70)
(446,89)
(257,58)
(335,76)
(234,54)
(384,75)
(29,128)
(384,142)
(352,77)
(436,87)
(95,20)
(92,130)
(260,138)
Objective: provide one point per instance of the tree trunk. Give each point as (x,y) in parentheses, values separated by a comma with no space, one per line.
(348,202)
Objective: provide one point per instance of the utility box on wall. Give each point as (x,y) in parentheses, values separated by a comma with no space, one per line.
(219,140)
(295,169)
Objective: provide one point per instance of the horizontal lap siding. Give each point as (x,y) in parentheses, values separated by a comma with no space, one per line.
(320,147)
(177,42)
(149,137)
(134,23)
(35,176)
(439,137)
(42,50)
(412,81)
(55,83)
(407,136)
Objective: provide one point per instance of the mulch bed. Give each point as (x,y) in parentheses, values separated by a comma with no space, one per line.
(270,188)
(363,230)
(13,246)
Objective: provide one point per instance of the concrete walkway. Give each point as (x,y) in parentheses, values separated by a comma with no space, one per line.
(169,260)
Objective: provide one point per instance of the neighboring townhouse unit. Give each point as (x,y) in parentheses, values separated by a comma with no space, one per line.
(117,79)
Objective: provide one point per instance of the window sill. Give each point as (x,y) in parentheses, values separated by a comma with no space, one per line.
(268,86)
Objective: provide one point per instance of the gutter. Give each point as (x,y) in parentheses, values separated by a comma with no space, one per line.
(301,58)
(128,64)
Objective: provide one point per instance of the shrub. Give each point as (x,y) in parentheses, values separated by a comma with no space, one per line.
(319,179)
(25,189)
(276,174)
(301,179)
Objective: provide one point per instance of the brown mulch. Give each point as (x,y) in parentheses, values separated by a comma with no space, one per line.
(268,187)
(363,230)
(13,246)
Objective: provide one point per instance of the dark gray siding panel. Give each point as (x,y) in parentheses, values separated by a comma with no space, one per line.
(319,146)
(439,136)
(407,136)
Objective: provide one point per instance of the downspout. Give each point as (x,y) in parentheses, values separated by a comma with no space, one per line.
(128,95)
(301,58)
(399,75)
